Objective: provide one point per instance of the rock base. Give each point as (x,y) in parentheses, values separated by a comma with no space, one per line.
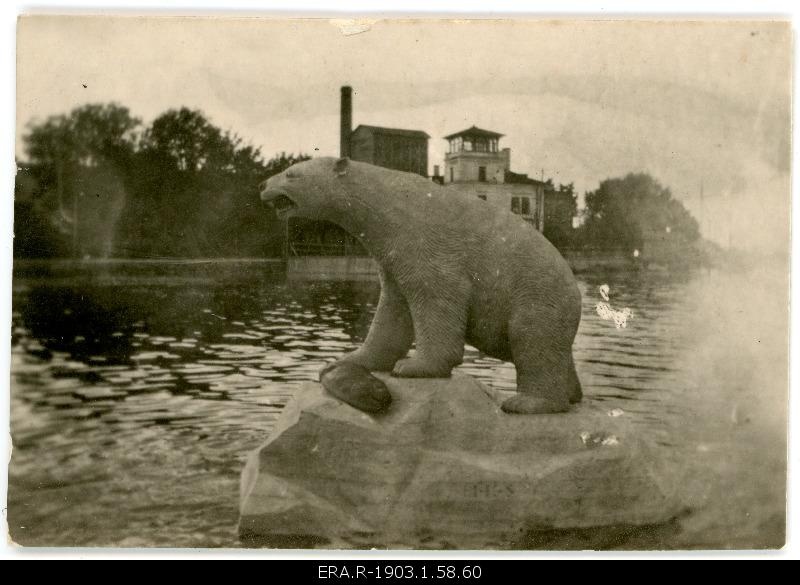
(446,468)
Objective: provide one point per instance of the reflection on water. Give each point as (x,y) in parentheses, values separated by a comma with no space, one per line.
(133,407)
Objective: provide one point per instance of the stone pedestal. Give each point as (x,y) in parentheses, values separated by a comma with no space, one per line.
(446,468)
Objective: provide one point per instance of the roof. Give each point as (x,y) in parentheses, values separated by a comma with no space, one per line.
(392,131)
(475,131)
(522,179)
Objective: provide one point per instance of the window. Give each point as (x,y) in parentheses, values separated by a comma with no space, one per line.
(515,205)
(467,145)
(482,174)
(526,206)
(451,174)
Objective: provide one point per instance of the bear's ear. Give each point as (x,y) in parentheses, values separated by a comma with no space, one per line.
(341,165)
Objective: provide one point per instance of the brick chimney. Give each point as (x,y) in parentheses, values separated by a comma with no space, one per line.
(346,127)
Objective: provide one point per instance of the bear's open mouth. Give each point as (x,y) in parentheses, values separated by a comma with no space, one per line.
(281,203)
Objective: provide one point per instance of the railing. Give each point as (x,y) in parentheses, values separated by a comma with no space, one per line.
(338,249)
(495,153)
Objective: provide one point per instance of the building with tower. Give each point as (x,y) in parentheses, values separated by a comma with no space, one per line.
(474,155)
(475,162)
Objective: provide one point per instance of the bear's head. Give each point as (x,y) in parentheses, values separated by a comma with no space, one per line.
(312,189)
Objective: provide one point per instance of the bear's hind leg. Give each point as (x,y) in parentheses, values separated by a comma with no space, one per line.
(390,334)
(545,372)
(575,391)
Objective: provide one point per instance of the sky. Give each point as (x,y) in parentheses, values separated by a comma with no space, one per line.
(704,107)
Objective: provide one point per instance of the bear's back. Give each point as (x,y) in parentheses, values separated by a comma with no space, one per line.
(423,201)
(453,217)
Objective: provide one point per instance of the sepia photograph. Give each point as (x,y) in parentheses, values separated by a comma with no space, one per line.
(394,283)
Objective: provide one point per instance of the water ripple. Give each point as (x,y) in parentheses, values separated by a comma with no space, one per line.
(137,405)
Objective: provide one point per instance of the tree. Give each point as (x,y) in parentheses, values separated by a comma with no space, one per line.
(89,133)
(188,140)
(629,211)
(568,191)
(560,207)
(197,193)
(97,183)
(78,162)
(36,234)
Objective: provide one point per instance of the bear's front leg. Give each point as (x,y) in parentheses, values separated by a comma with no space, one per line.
(439,312)
(391,332)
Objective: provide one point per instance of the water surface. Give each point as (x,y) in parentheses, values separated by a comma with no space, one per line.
(134,404)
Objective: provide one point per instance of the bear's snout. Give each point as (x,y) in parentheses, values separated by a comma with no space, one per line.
(279,200)
(269,192)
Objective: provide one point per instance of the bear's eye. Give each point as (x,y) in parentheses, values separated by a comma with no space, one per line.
(292,175)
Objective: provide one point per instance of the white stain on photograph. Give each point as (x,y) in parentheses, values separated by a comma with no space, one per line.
(607,313)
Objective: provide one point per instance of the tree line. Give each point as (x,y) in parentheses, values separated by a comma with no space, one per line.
(98,183)
(634,212)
